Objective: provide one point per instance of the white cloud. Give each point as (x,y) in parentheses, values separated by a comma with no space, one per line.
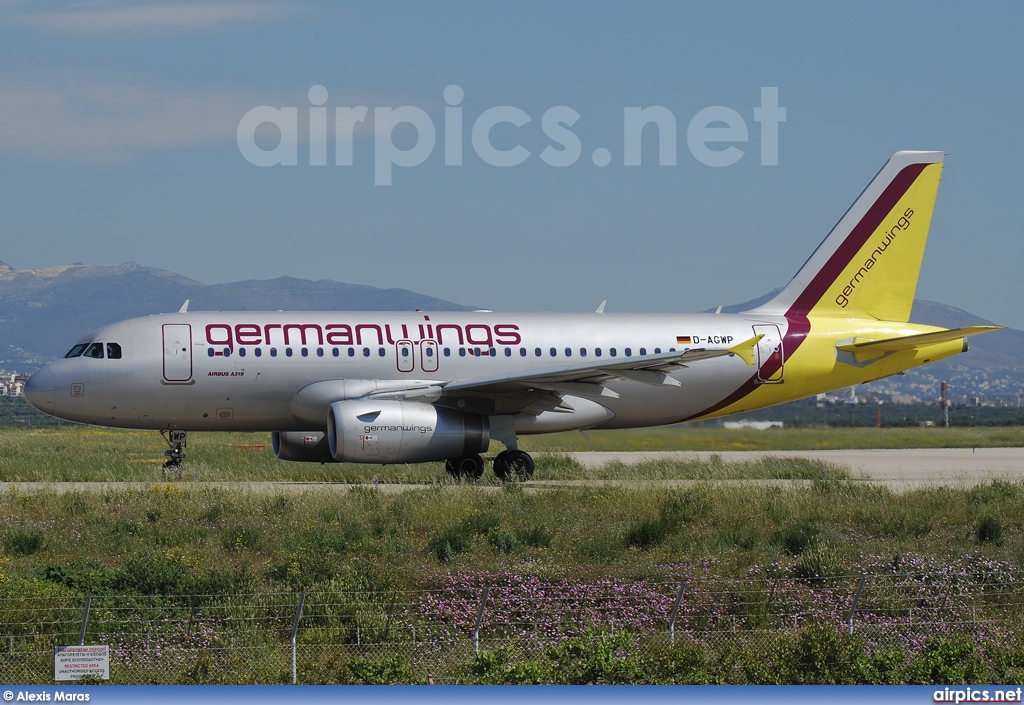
(115,16)
(94,115)
(73,114)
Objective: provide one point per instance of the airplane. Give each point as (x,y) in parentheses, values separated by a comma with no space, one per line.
(388,388)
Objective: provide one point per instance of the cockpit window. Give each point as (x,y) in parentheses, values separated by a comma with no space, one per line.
(113,351)
(77,350)
(95,350)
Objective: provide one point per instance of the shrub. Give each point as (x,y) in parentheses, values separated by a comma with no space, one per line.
(535,537)
(503,540)
(450,542)
(684,507)
(947,660)
(24,542)
(75,503)
(458,539)
(797,538)
(990,530)
(88,577)
(499,668)
(364,671)
(595,657)
(601,547)
(646,534)
(993,492)
(150,573)
(127,527)
(819,562)
(242,537)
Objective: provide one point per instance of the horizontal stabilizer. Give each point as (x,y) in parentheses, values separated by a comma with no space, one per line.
(745,350)
(863,349)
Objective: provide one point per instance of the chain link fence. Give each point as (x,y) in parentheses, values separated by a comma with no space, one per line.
(439,635)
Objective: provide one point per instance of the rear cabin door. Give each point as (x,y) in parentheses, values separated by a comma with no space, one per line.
(770,355)
(177,352)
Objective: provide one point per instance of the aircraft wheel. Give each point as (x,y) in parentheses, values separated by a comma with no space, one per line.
(468,467)
(511,465)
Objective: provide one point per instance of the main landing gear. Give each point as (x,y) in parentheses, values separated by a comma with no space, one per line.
(512,465)
(468,467)
(509,466)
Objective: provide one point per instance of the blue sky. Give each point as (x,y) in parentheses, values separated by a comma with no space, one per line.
(119,141)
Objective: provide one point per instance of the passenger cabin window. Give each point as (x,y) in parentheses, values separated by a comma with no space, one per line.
(77,350)
(95,350)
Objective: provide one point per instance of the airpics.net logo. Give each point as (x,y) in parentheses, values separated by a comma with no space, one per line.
(714,135)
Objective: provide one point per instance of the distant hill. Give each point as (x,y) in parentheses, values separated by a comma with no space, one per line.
(42,311)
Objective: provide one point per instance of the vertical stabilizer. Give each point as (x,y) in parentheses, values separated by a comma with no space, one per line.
(868,265)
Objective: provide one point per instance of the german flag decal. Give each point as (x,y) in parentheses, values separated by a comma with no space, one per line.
(683,340)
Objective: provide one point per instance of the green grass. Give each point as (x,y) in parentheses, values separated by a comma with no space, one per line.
(723,439)
(189,536)
(184,538)
(85,454)
(197,538)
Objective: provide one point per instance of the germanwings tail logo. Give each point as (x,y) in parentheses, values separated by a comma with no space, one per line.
(868,265)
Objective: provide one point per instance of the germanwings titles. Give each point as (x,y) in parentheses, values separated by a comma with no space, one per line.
(419,387)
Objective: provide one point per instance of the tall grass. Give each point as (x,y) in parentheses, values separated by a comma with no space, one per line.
(174,538)
(81,454)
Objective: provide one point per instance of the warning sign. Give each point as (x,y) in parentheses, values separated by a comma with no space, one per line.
(72,662)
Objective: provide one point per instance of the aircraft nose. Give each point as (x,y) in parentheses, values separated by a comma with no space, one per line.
(39,390)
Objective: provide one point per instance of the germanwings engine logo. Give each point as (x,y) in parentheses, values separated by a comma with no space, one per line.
(902,225)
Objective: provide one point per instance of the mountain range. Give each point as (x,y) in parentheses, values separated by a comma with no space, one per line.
(43,311)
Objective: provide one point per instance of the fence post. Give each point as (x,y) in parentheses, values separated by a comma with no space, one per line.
(768,604)
(191,613)
(479,618)
(856,599)
(295,630)
(675,613)
(85,620)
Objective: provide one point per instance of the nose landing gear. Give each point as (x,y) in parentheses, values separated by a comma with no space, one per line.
(175,453)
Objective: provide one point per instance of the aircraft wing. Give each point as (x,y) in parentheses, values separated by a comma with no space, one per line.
(868,349)
(588,378)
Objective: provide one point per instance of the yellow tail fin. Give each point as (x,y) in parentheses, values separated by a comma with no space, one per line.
(867,266)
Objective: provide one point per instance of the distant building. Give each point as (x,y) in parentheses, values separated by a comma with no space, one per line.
(756,425)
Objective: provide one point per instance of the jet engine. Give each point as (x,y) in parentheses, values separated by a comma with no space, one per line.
(388,431)
(302,446)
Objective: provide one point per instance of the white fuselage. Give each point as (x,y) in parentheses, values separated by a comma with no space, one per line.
(240,371)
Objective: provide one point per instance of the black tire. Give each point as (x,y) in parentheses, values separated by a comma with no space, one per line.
(512,465)
(468,467)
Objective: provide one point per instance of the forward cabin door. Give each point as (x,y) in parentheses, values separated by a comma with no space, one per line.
(770,355)
(177,352)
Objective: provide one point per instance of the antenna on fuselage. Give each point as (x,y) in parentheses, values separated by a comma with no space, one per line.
(184,307)
(600,309)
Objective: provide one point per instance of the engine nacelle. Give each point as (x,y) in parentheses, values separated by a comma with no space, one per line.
(302,446)
(387,431)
